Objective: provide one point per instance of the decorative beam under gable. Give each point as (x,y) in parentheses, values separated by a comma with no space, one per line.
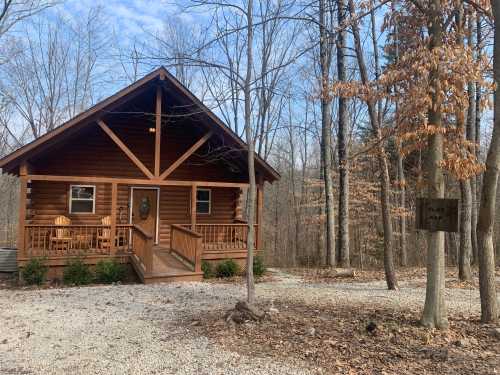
(186,155)
(125,149)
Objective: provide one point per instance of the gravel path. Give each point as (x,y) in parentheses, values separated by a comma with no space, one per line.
(134,329)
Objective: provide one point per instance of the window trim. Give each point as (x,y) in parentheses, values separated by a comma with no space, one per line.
(209,201)
(81,199)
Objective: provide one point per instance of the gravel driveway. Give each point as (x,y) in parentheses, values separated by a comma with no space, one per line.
(134,329)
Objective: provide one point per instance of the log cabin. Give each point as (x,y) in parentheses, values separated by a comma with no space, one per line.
(149,176)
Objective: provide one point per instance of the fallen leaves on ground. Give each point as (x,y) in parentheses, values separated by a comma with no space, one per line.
(357,340)
(415,275)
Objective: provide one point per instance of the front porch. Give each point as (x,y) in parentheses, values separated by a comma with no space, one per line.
(174,256)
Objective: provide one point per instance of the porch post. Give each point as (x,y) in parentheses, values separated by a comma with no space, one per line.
(193,206)
(23,191)
(112,236)
(158,131)
(238,211)
(260,204)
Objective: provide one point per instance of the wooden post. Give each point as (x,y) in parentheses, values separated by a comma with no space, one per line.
(148,254)
(158,132)
(21,250)
(194,188)
(238,211)
(198,254)
(260,204)
(114,198)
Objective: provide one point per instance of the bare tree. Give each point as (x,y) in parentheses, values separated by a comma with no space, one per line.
(325,17)
(486,219)
(464,271)
(13,12)
(343,236)
(375,116)
(52,75)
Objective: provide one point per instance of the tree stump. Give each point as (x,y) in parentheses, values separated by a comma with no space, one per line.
(243,312)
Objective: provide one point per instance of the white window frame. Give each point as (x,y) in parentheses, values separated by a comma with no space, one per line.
(81,199)
(209,201)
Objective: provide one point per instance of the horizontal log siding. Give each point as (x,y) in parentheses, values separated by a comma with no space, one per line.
(91,153)
(174,209)
(175,203)
(51,199)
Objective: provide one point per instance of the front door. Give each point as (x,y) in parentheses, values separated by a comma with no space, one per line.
(145,209)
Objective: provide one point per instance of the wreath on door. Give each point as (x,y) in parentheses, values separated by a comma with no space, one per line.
(144,208)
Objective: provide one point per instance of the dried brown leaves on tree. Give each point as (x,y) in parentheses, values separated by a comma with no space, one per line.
(407,83)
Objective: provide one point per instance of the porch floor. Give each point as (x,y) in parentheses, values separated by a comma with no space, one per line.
(166,263)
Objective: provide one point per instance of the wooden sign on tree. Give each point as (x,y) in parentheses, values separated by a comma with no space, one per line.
(437,215)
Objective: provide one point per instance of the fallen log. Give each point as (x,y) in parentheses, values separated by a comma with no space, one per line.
(340,273)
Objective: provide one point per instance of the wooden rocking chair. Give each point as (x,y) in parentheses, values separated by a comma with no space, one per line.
(104,234)
(61,238)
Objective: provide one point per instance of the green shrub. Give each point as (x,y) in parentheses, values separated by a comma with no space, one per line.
(109,271)
(208,271)
(35,271)
(227,268)
(258,266)
(77,273)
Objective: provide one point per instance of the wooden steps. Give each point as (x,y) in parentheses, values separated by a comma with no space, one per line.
(166,268)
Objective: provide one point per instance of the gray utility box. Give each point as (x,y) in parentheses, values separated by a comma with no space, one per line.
(8,259)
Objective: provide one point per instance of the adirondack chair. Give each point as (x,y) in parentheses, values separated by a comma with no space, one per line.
(104,234)
(61,239)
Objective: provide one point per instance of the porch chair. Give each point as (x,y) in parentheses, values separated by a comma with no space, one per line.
(104,234)
(61,238)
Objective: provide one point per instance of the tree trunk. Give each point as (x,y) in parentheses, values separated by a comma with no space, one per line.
(464,260)
(434,314)
(477,120)
(402,204)
(486,219)
(472,137)
(464,272)
(252,189)
(343,235)
(390,273)
(326,133)
(401,170)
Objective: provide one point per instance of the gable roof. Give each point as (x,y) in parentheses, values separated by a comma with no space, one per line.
(14,159)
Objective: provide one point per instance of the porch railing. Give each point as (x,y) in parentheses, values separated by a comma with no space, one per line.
(224,237)
(71,240)
(142,248)
(187,244)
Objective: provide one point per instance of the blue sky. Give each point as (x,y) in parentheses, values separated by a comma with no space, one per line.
(129,18)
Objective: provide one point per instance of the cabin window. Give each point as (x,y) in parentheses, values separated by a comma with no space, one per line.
(203,201)
(82,199)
